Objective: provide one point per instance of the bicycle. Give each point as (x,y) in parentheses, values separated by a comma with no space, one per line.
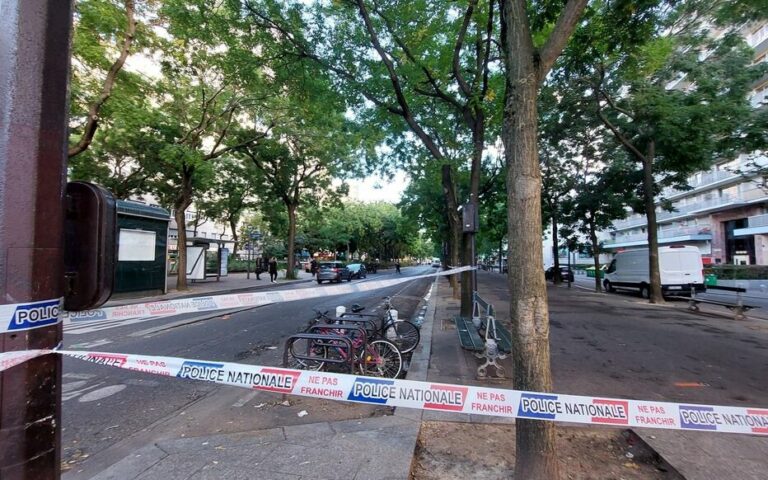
(404,334)
(334,343)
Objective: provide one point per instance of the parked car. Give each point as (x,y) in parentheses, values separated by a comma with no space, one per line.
(333,272)
(565,273)
(358,270)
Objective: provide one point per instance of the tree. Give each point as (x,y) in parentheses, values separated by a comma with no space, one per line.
(557,167)
(233,192)
(98,23)
(433,72)
(290,167)
(212,81)
(532,38)
(674,96)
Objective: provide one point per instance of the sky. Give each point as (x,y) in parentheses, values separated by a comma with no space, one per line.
(377,189)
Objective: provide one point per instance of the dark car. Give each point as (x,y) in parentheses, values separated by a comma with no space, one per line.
(333,272)
(565,273)
(358,270)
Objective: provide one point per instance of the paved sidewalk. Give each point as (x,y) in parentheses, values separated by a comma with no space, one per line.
(231,283)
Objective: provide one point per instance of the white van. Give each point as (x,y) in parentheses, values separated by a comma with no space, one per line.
(679,266)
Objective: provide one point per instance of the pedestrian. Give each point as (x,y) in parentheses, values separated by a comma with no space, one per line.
(313,267)
(397,266)
(258,268)
(273,270)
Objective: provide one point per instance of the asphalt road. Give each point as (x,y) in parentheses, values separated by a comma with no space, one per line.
(753,298)
(108,412)
(655,352)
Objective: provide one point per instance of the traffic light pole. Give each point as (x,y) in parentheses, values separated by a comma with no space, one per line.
(34,55)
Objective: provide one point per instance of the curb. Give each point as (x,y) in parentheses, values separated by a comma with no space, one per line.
(660,462)
(170,296)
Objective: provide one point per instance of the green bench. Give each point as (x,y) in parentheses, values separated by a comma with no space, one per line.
(469,337)
(489,340)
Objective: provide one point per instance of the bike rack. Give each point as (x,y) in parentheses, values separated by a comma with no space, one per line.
(320,340)
(370,321)
(351,332)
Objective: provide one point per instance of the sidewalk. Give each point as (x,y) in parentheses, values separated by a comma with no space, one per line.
(231,283)
(383,447)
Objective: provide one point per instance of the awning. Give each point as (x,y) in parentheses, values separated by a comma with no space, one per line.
(745,232)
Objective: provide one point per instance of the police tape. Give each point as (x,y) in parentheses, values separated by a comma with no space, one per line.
(26,316)
(473,400)
(16,317)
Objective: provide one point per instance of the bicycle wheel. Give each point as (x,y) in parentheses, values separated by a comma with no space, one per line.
(306,348)
(404,335)
(381,359)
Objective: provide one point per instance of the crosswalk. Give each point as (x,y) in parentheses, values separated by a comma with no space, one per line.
(80,328)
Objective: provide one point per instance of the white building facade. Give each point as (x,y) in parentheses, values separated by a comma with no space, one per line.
(725,213)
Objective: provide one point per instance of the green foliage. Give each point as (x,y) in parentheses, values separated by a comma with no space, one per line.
(660,77)
(371,230)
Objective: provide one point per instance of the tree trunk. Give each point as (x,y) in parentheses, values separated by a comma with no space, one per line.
(556,277)
(235,238)
(650,214)
(595,251)
(183,201)
(535,439)
(454,223)
(501,260)
(289,273)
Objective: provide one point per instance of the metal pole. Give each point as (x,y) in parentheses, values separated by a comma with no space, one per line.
(34,54)
(248,266)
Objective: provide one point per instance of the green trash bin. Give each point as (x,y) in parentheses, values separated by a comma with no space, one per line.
(710,279)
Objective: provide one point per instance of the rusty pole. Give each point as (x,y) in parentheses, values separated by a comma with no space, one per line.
(34,60)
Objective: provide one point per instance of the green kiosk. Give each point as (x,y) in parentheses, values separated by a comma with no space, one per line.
(142,240)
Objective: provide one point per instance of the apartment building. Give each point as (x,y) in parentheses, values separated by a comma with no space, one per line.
(724,213)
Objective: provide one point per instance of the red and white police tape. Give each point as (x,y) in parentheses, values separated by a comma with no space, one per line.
(433,396)
(26,316)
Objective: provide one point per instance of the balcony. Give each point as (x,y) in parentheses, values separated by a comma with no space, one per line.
(682,211)
(695,233)
(758,221)
(757,225)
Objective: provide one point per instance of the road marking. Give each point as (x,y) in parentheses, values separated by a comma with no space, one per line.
(87,345)
(75,393)
(80,329)
(102,393)
(69,386)
(79,376)
(186,321)
(244,399)
(690,384)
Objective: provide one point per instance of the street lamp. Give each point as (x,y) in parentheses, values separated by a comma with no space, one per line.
(254,236)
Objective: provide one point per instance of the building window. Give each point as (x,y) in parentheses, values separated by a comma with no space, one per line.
(758,35)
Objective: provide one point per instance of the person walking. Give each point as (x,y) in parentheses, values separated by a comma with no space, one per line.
(258,269)
(273,270)
(313,267)
(397,266)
